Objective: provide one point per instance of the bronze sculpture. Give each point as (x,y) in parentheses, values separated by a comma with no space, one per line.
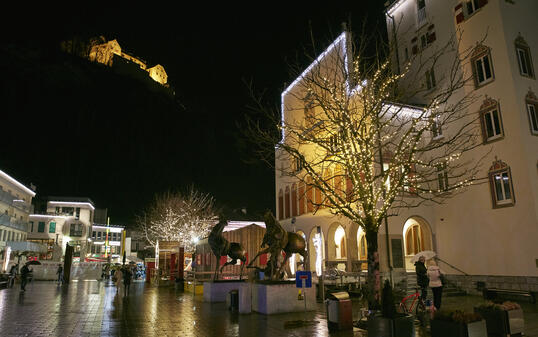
(277,241)
(222,247)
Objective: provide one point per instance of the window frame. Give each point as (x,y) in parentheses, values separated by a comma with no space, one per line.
(521,45)
(532,121)
(480,57)
(41,227)
(499,168)
(431,83)
(442,179)
(488,107)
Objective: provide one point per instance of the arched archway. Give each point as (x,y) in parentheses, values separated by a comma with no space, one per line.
(362,248)
(337,246)
(316,250)
(417,237)
(296,259)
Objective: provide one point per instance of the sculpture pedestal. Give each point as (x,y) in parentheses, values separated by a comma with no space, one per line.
(280,298)
(217,292)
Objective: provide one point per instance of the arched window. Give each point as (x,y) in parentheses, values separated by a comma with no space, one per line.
(309,195)
(490,120)
(302,198)
(500,179)
(340,242)
(328,178)
(294,200)
(287,202)
(280,205)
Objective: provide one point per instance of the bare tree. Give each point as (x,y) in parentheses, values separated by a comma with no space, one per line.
(365,140)
(179,217)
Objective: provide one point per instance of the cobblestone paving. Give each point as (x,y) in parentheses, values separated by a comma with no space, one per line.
(96,309)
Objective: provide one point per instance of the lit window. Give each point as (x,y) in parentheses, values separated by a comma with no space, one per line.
(491,120)
(501,184)
(482,66)
(524,57)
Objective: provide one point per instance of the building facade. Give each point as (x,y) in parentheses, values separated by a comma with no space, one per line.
(107,242)
(64,221)
(490,230)
(15,208)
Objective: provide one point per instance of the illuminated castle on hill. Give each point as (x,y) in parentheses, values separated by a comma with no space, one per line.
(109,53)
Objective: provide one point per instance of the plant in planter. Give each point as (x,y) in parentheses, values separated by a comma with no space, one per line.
(458,324)
(502,319)
(390,323)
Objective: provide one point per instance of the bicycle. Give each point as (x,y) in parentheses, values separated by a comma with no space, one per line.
(416,308)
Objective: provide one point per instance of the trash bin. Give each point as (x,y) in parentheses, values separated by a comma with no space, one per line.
(339,311)
(232,300)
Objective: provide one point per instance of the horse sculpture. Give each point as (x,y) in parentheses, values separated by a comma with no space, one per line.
(277,240)
(221,247)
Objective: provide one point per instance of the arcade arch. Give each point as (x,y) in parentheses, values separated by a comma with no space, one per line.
(417,237)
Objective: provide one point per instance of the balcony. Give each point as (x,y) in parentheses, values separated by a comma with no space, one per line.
(8,221)
(11,200)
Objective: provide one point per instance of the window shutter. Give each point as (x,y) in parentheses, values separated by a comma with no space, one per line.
(459,13)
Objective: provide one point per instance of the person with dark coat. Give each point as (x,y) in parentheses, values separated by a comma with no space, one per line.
(127,276)
(25,274)
(60,273)
(13,274)
(422,277)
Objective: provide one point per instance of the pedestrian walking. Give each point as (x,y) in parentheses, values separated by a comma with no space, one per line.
(422,277)
(127,275)
(434,274)
(13,274)
(25,274)
(118,276)
(60,273)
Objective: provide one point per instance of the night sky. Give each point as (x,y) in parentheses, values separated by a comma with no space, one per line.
(118,152)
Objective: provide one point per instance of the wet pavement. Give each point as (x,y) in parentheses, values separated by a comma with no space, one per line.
(96,309)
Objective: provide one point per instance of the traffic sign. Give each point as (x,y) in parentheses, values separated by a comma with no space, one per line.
(303,279)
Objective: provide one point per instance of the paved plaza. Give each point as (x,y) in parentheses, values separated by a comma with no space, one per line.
(95,309)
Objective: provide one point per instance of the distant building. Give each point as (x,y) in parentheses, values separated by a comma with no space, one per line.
(107,243)
(15,207)
(65,221)
(110,53)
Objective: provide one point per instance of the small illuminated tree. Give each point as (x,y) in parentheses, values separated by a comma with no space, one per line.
(346,130)
(179,217)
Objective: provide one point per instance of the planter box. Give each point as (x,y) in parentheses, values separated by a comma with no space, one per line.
(503,323)
(401,326)
(451,329)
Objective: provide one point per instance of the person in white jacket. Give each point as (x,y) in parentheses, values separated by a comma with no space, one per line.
(434,273)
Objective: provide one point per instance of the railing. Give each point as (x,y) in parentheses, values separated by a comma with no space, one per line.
(453,267)
(10,200)
(8,221)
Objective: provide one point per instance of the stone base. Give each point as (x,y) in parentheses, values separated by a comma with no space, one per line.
(281,298)
(218,292)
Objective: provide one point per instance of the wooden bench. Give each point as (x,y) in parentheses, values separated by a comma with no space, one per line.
(496,293)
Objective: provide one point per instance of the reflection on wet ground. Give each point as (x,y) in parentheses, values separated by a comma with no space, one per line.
(96,309)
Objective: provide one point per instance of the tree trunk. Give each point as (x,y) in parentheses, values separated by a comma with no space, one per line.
(373,279)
